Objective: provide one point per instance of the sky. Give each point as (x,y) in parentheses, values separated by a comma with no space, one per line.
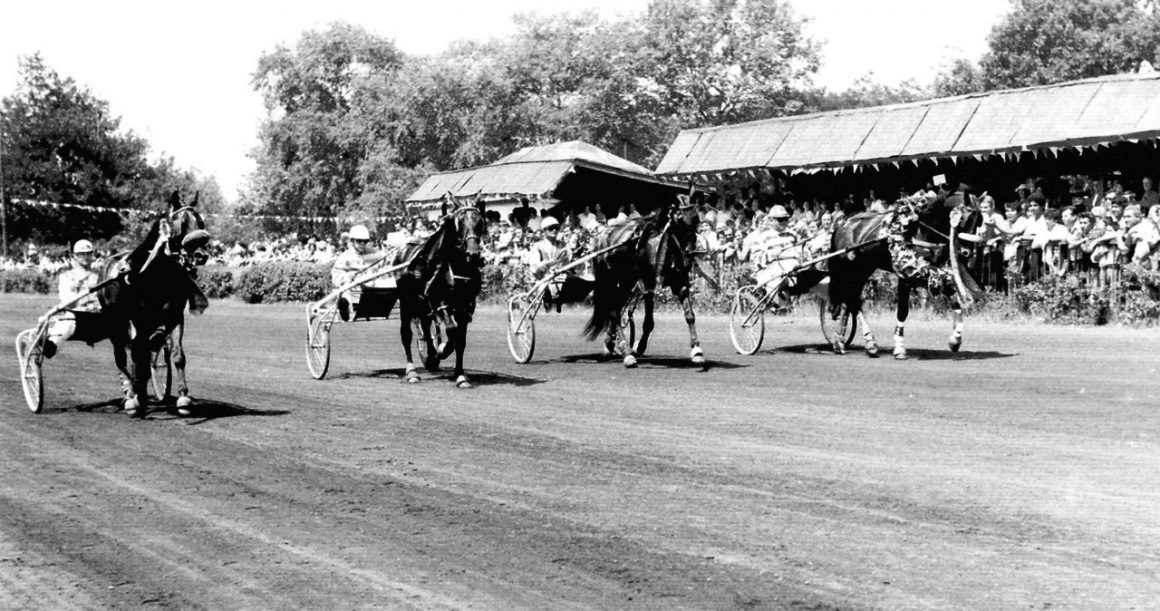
(178,73)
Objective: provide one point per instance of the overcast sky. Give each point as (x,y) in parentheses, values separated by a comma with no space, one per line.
(178,74)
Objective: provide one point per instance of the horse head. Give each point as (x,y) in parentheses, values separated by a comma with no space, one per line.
(188,237)
(467,226)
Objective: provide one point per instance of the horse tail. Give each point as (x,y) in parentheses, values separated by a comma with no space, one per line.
(609,297)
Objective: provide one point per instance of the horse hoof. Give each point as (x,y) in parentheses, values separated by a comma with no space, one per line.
(900,356)
(630,362)
(463,382)
(954,345)
(872,350)
(839,348)
(698,356)
(133,408)
(183,405)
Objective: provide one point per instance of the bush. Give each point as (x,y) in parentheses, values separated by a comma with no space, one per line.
(283,281)
(25,281)
(216,282)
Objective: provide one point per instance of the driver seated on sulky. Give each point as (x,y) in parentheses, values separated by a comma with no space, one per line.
(549,254)
(74,282)
(355,259)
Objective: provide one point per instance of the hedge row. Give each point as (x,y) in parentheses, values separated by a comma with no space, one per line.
(1134,301)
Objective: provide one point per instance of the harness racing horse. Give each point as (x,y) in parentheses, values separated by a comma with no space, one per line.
(142,304)
(913,242)
(187,240)
(659,251)
(440,287)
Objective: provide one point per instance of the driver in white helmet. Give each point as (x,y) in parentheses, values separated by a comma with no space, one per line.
(357,257)
(74,282)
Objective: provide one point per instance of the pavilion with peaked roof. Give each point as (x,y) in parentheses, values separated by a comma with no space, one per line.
(566,174)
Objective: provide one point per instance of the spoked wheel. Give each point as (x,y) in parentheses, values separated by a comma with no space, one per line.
(847,326)
(747,319)
(29,353)
(318,346)
(162,379)
(521,332)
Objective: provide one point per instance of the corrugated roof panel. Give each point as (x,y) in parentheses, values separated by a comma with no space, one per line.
(796,148)
(1149,120)
(1115,109)
(992,126)
(1051,114)
(838,139)
(941,126)
(891,132)
(678,152)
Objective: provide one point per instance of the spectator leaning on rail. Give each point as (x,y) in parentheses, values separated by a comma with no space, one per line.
(74,282)
(358,257)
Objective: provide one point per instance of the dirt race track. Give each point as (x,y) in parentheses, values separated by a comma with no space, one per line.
(1021,473)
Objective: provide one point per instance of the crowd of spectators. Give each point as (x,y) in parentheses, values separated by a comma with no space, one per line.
(1090,230)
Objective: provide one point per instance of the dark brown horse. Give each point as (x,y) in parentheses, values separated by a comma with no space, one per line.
(659,251)
(141,306)
(439,288)
(913,242)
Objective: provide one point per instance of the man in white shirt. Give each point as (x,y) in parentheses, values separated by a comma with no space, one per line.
(74,282)
(357,257)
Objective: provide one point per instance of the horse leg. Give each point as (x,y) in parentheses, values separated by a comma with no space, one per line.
(695,353)
(902,310)
(867,335)
(177,349)
(630,350)
(646,326)
(120,357)
(142,366)
(460,338)
(956,339)
(410,375)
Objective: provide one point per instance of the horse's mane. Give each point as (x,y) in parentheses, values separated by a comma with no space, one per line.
(427,257)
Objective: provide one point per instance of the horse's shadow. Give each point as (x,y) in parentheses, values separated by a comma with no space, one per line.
(202,410)
(913,354)
(478,378)
(649,362)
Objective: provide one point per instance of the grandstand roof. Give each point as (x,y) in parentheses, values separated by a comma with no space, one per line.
(1075,114)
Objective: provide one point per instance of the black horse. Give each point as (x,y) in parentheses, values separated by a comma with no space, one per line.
(913,242)
(440,286)
(660,251)
(142,303)
(187,241)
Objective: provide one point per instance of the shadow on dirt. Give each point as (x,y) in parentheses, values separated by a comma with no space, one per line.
(914,354)
(202,410)
(478,378)
(649,362)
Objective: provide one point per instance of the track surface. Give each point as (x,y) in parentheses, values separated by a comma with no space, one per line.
(1021,473)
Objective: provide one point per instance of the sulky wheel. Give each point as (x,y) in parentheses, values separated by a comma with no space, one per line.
(521,332)
(318,347)
(848,326)
(29,347)
(747,319)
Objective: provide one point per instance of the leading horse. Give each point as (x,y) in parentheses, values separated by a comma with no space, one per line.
(439,288)
(142,303)
(913,241)
(659,251)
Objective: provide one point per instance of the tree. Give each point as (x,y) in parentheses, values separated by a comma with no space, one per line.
(867,92)
(961,77)
(723,61)
(314,143)
(62,146)
(1051,41)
